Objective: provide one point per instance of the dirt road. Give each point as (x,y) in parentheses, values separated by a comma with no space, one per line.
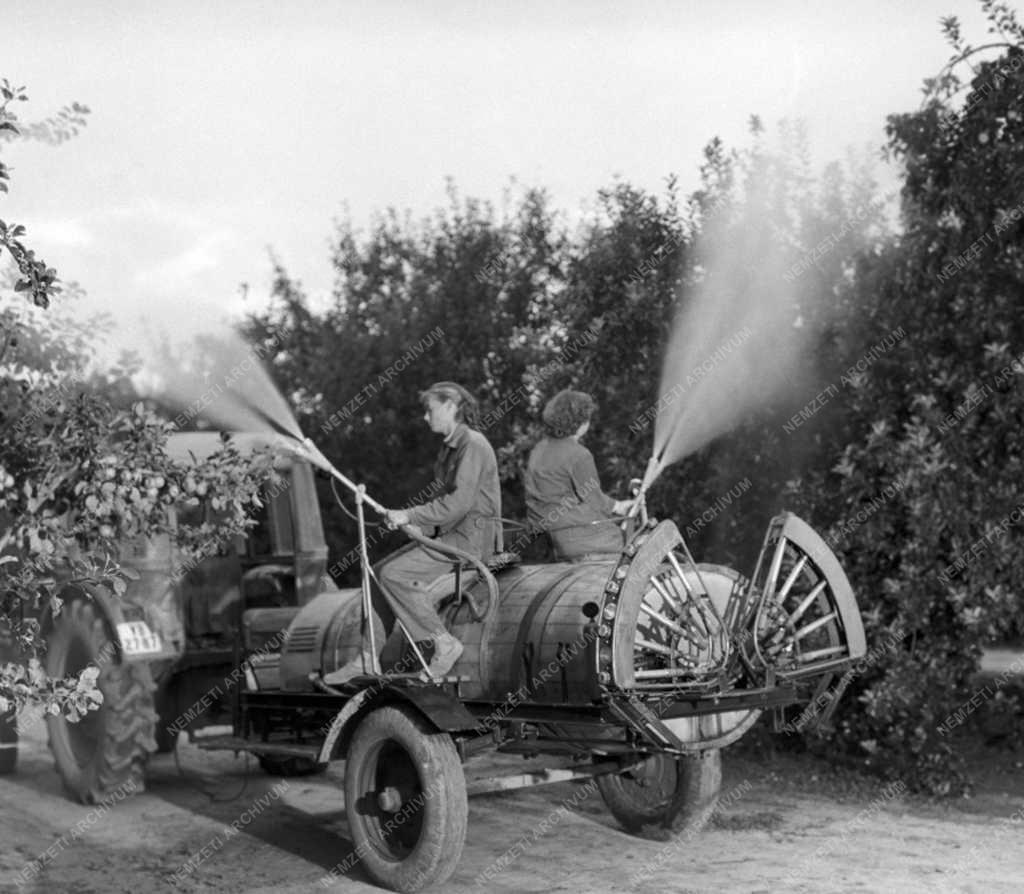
(213,827)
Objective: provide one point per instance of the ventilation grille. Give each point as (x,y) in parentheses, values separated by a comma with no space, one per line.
(302,639)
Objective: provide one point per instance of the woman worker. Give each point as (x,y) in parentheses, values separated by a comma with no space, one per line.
(464,515)
(563,493)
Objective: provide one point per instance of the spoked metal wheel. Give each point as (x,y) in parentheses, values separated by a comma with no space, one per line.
(668,624)
(672,626)
(679,631)
(664,791)
(806,617)
(405,799)
(723,589)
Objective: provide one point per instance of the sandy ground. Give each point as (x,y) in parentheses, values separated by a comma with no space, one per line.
(782,827)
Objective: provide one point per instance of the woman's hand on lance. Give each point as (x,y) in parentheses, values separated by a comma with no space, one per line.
(396,518)
(622,507)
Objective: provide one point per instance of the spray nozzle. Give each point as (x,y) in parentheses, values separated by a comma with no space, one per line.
(653,470)
(311,452)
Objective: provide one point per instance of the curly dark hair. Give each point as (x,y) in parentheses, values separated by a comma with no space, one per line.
(468,410)
(566,412)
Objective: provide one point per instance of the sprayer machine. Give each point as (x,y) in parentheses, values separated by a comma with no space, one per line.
(632,670)
(637,669)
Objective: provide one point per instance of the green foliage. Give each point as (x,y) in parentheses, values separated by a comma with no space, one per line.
(28,683)
(81,480)
(943,415)
(460,296)
(35,277)
(911,467)
(637,265)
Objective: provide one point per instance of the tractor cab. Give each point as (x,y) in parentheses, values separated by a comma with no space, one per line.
(284,557)
(280,565)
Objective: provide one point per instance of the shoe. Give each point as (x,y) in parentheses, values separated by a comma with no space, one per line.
(447,650)
(360,666)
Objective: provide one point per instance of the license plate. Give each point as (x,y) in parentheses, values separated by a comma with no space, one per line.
(138,639)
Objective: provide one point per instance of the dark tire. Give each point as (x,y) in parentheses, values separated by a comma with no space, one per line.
(8,742)
(405,799)
(699,787)
(671,793)
(275,765)
(104,753)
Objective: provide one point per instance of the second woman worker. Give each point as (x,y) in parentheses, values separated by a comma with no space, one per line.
(563,491)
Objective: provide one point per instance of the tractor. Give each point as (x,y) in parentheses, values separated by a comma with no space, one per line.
(171,640)
(637,669)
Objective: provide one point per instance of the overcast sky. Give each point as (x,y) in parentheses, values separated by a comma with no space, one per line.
(222,128)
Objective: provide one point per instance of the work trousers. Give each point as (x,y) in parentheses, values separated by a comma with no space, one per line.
(405,576)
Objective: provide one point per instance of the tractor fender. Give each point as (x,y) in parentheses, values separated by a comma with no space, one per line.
(442,711)
(111,610)
(107,604)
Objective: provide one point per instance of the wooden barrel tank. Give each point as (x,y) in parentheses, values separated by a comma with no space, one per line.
(649,625)
(537,645)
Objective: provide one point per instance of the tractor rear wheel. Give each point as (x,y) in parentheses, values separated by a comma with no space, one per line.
(674,793)
(106,751)
(405,798)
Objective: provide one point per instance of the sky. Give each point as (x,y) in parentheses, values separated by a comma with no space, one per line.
(223,131)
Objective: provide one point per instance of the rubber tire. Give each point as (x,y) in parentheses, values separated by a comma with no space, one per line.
(8,742)
(681,793)
(123,725)
(276,765)
(439,826)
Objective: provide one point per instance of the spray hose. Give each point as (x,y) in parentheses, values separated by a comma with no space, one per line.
(429,543)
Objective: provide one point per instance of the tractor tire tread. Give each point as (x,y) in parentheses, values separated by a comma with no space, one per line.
(128,713)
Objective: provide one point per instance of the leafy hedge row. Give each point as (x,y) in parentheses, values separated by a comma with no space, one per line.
(901,439)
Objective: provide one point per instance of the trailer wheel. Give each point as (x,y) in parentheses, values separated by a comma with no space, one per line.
(105,752)
(405,799)
(675,793)
(697,795)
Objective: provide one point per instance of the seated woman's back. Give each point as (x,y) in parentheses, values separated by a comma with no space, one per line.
(563,490)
